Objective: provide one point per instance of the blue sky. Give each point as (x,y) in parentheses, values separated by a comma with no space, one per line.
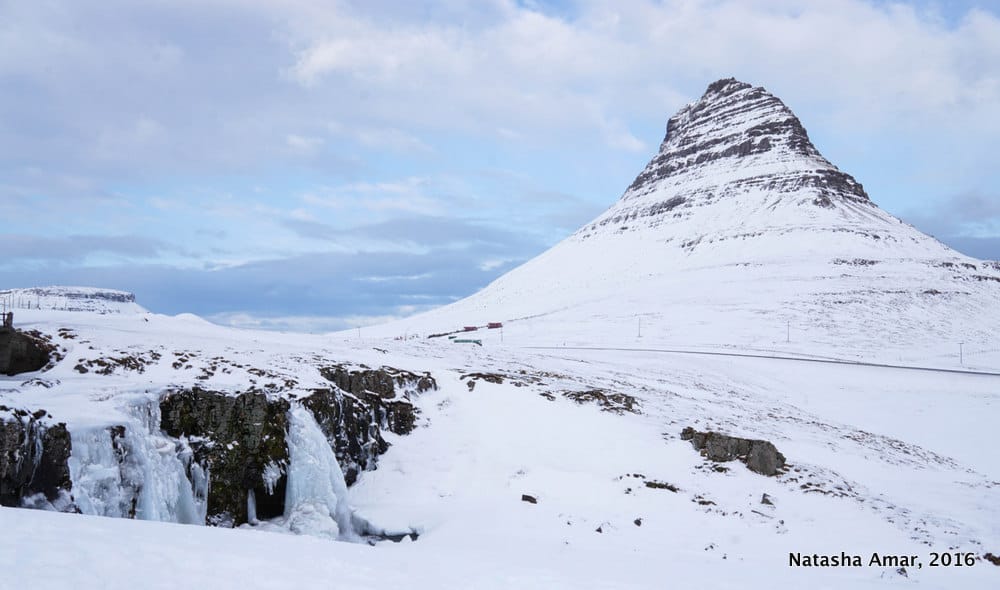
(320,165)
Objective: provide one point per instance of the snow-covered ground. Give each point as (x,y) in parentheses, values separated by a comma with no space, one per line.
(893,461)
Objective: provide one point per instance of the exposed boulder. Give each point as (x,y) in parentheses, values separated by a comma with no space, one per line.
(609,401)
(660,485)
(760,456)
(21,353)
(239,439)
(34,459)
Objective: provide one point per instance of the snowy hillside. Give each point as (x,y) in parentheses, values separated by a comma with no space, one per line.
(739,233)
(70,299)
(665,403)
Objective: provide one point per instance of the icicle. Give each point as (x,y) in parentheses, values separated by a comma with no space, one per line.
(272,474)
(315,497)
(34,435)
(251,508)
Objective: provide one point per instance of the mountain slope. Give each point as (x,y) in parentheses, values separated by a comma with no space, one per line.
(739,231)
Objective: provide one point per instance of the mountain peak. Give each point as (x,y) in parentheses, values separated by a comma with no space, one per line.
(726,86)
(732,120)
(740,142)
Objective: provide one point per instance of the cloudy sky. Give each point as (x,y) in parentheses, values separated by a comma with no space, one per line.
(317,164)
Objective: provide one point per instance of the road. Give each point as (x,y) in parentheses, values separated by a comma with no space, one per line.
(771,357)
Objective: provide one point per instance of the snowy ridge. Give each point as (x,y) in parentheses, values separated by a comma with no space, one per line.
(65,298)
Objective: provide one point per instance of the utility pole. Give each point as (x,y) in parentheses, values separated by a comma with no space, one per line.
(788,331)
(961,353)
(639,333)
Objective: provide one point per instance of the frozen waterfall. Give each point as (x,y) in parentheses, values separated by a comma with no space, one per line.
(137,471)
(315,499)
(134,470)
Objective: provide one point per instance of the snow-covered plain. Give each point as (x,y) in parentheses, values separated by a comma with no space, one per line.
(681,296)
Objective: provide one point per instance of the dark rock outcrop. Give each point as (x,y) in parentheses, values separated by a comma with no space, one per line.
(379,399)
(352,427)
(239,439)
(386,382)
(760,456)
(661,485)
(21,353)
(34,459)
(609,401)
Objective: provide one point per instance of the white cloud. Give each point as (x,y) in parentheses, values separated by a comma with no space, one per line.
(304,145)
(574,91)
(131,140)
(392,278)
(492,263)
(407,195)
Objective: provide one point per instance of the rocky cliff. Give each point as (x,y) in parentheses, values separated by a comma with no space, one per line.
(34,453)
(21,353)
(201,455)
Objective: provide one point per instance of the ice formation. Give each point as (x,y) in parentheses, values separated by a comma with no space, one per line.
(315,500)
(137,472)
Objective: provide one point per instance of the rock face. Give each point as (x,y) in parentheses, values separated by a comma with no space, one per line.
(379,398)
(735,140)
(386,382)
(20,353)
(760,456)
(239,440)
(33,460)
(352,429)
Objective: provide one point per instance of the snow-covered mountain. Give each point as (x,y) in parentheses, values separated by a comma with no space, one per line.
(739,232)
(664,404)
(71,299)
